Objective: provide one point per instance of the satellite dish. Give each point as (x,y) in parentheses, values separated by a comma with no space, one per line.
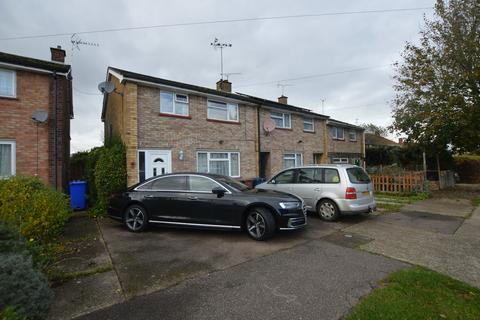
(106,86)
(40,116)
(268,125)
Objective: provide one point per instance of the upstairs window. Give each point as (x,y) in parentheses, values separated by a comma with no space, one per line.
(173,103)
(282,120)
(7,83)
(222,111)
(337,133)
(308,125)
(352,136)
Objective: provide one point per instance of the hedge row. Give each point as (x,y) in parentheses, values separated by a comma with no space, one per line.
(468,168)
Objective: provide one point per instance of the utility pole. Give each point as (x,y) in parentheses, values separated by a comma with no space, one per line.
(323,105)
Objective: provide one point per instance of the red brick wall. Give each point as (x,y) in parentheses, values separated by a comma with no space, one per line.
(34,92)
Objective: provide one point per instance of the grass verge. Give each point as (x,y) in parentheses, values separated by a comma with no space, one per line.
(419,293)
(476,201)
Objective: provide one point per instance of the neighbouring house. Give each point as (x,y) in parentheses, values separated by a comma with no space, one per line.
(374,140)
(35,112)
(168,126)
(346,143)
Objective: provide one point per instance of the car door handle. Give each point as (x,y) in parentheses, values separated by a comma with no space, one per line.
(192,198)
(149,196)
(316,189)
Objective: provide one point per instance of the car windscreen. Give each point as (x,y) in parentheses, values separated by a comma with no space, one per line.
(358,175)
(233,183)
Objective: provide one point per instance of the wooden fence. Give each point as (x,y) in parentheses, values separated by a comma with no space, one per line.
(405,183)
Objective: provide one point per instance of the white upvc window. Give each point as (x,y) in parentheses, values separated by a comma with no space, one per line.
(173,103)
(309,124)
(222,111)
(8,83)
(7,158)
(340,160)
(337,133)
(282,120)
(292,160)
(352,135)
(224,163)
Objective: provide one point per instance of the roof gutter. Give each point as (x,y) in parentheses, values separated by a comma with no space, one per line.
(20,67)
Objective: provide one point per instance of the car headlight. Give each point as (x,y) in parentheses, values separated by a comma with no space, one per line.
(290,205)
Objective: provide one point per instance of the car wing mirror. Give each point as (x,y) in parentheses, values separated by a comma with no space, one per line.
(220,192)
(273,181)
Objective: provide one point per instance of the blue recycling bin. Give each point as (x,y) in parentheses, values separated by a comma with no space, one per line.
(257,181)
(78,195)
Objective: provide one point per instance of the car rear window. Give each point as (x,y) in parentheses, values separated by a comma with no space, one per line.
(357,175)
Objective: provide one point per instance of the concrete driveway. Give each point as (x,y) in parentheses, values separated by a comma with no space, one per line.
(311,274)
(160,257)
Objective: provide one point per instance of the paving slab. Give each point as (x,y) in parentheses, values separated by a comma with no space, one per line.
(316,280)
(455,255)
(84,295)
(423,221)
(442,206)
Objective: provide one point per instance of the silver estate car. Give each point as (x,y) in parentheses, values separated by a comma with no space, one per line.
(330,190)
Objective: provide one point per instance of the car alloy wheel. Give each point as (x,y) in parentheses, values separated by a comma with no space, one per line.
(327,210)
(256,225)
(135,218)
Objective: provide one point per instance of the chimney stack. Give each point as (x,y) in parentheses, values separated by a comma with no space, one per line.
(224,85)
(282,99)
(58,54)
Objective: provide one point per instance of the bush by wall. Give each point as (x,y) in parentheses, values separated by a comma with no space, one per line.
(468,168)
(110,173)
(24,291)
(34,210)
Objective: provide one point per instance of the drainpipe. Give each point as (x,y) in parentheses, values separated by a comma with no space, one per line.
(258,141)
(55,110)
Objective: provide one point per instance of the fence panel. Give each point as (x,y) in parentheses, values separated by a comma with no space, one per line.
(405,183)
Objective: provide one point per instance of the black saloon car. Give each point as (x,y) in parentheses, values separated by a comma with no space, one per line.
(207,201)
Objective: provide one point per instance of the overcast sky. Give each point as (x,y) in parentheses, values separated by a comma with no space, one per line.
(262,51)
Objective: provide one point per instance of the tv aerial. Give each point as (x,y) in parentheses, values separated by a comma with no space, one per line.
(228,74)
(216,44)
(283,85)
(77,42)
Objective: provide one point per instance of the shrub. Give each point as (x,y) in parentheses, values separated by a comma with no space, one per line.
(35,211)
(23,287)
(468,168)
(24,291)
(110,173)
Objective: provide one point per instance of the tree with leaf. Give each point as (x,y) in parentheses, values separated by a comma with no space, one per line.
(373,128)
(437,85)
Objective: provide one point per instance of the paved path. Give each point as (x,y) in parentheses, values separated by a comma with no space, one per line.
(314,280)
(447,244)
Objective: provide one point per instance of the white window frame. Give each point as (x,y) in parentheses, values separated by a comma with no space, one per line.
(227,104)
(293,156)
(340,160)
(282,116)
(335,130)
(14,83)
(13,168)
(229,159)
(174,101)
(350,137)
(309,121)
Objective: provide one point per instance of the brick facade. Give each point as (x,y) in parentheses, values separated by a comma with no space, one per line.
(35,152)
(135,116)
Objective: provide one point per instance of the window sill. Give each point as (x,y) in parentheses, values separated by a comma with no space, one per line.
(9,98)
(288,129)
(353,140)
(306,131)
(169,115)
(223,121)
(338,139)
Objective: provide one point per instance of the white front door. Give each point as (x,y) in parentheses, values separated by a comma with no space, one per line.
(157,163)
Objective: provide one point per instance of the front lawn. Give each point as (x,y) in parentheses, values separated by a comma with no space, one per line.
(419,293)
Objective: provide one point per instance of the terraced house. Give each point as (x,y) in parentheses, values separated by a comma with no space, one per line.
(168,126)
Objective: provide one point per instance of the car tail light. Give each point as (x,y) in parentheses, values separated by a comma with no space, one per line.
(350,193)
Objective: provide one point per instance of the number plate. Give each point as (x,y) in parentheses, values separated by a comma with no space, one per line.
(366,193)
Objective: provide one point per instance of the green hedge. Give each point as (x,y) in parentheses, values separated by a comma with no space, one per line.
(34,210)
(24,291)
(468,168)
